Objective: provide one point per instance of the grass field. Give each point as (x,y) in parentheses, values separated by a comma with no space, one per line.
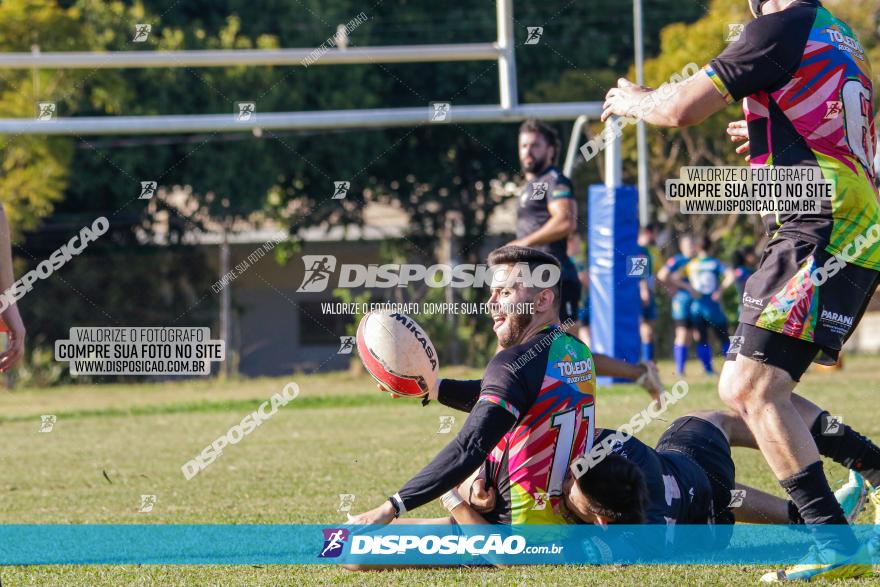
(113,443)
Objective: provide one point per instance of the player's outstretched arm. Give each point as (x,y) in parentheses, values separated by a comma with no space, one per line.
(675,105)
(458,394)
(738,131)
(10,315)
(483,429)
(644,374)
(460,509)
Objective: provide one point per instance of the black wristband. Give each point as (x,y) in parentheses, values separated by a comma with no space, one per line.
(395,506)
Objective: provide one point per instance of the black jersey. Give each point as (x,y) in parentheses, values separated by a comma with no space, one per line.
(679,491)
(533,213)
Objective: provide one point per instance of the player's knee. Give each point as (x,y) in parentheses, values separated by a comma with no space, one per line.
(744,387)
(734,391)
(681,335)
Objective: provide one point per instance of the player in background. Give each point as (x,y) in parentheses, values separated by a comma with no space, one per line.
(681,301)
(742,266)
(648,313)
(546,217)
(578,257)
(705,282)
(808,93)
(10,319)
(533,415)
(547,211)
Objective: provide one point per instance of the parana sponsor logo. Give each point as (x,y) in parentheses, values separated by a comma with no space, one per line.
(837,318)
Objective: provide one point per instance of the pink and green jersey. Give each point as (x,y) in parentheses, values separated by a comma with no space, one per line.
(806,85)
(548,384)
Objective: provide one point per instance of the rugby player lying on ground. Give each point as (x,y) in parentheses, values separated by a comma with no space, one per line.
(536,392)
(538,363)
(636,484)
(687,479)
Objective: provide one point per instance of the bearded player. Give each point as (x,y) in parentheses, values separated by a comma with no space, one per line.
(545,219)
(534,413)
(808,97)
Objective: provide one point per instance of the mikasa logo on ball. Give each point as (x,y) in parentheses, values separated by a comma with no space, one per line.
(397,353)
(419,335)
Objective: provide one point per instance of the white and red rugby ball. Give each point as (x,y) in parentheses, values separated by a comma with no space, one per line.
(398,353)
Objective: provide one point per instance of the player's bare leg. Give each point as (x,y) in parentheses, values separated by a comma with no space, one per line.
(759,507)
(761,395)
(738,432)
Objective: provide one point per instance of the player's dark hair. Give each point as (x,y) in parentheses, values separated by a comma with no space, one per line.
(705,244)
(545,130)
(513,254)
(738,258)
(615,488)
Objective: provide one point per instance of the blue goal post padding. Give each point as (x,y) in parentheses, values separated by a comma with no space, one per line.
(615,306)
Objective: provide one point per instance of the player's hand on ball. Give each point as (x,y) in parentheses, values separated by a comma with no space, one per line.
(379,516)
(738,132)
(482,499)
(387,390)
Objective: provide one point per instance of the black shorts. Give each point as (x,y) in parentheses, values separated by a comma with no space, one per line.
(571,296)
(796,295)
(707,447)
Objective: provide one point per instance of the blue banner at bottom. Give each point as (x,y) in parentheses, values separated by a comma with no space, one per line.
(403,544)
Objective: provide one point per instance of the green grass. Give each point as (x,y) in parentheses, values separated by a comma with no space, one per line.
(113,443)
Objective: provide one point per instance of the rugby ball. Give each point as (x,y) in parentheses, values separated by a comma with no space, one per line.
(397,353)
